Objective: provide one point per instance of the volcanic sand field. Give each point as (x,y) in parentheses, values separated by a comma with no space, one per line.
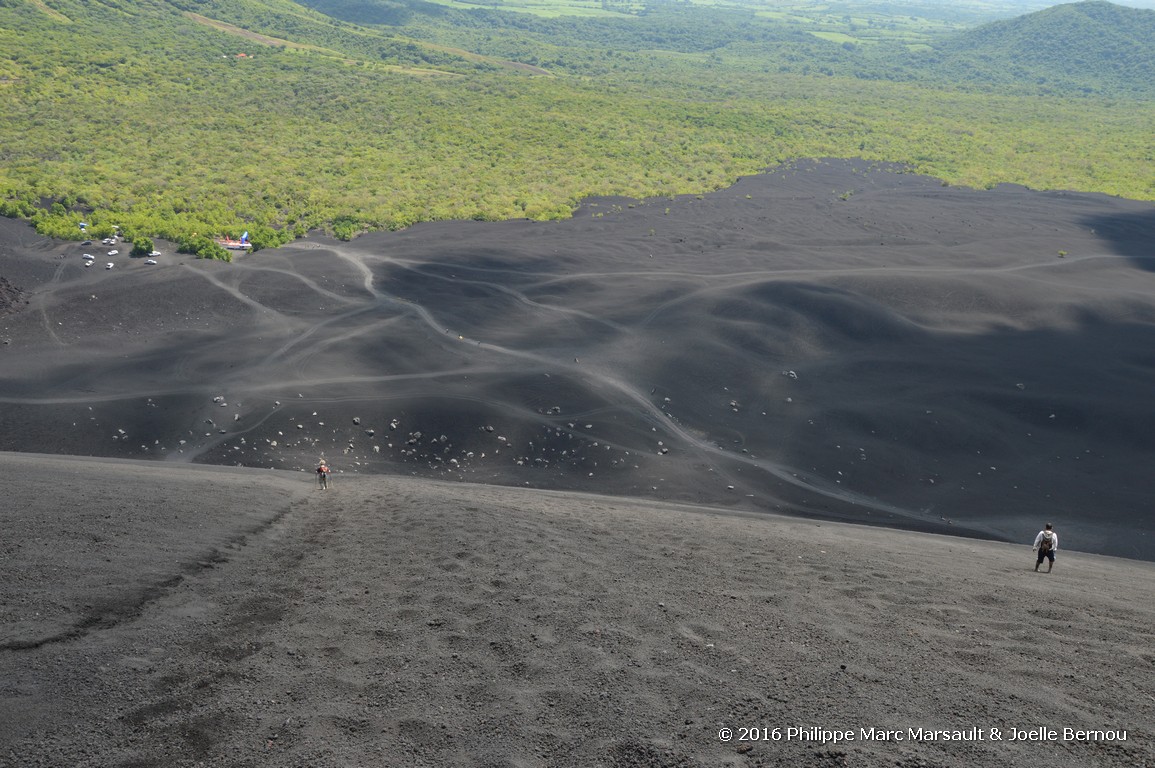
(659,379)
(178,615)
(832,338)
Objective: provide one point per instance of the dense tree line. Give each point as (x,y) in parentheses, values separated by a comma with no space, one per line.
(164,129)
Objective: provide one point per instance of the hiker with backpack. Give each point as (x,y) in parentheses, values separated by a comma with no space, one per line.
(323,476)
(1047,542)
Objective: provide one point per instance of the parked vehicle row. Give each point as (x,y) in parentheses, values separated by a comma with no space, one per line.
(89,259)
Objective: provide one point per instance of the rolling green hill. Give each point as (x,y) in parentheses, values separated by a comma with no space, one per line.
(215,116)
(1089,46)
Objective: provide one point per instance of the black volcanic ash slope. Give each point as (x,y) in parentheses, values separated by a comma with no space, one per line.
(830,338)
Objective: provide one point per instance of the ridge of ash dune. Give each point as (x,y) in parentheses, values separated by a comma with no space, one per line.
(832,338)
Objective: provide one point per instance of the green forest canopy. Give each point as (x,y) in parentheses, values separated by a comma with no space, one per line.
(181,119)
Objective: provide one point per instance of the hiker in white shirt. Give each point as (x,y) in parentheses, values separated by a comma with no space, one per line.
(1046,543)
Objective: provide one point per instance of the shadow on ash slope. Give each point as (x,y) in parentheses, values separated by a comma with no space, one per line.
(908,354)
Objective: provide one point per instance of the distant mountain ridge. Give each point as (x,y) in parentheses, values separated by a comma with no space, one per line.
(1092,46)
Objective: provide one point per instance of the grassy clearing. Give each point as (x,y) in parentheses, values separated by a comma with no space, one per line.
(255,37)
(549,8)
(50,12)
(839,37)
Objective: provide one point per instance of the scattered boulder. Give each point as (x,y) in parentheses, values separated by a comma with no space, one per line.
(11,299)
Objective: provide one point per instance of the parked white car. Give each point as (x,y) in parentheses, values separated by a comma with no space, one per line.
(150,261)
(154,253)
(88,257)
(113,252)
(109,265)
